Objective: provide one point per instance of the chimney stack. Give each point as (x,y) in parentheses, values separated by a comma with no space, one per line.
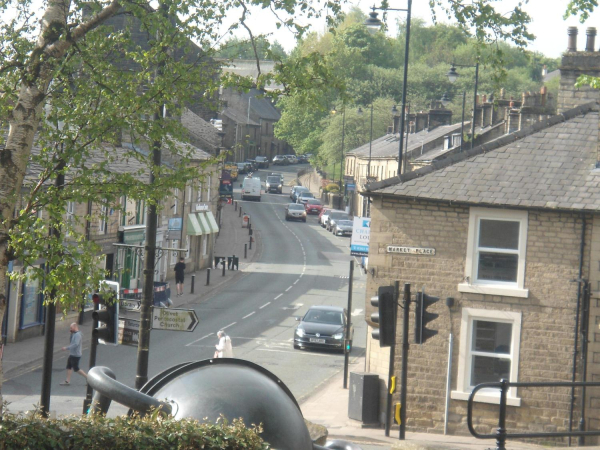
(572,44)
(590,42)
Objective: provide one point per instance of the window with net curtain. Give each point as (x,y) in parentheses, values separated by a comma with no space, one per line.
(498,250)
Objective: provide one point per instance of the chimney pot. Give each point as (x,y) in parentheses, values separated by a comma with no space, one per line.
(484,98)
(591,39)
(502,93)
(572,42)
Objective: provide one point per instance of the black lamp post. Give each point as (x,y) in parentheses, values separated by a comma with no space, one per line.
(373,24)
(452,77)
(445,100)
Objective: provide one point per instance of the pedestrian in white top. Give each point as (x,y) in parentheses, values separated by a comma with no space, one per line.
(224,348)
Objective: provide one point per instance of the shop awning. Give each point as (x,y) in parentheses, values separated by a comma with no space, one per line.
(201,223)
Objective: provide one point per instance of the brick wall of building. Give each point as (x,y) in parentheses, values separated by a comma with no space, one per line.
(548,314)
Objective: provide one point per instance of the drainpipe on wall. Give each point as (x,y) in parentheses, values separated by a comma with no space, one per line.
(576,331)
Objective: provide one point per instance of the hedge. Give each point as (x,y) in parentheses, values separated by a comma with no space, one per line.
(99,432)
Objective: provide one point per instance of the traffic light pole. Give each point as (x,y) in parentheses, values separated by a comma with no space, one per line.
(388,405)
(404,370)
(348,325)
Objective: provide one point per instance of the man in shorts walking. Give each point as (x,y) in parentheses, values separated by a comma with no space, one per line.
(179,274)
(74,348)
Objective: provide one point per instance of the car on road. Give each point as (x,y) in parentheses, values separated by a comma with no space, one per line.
(302,159)
(242,167)
(253,165)
(274,184)
(334,217)
(304,197)
(274,174)
(280,160)
(292,159)
(343,228)
(324,216)
(313,206)
(262,162)
(296,190)
(294,211)
(323,327)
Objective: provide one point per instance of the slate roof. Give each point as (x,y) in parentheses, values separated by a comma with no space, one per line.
(387,146)
(551,164)
(261,105)
(239,117)
(200,129)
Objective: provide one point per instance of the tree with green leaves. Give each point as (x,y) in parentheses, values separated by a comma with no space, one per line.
(73,84)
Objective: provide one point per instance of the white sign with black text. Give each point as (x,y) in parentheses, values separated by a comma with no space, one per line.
(411,250)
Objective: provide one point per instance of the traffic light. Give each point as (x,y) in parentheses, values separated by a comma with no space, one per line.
(384,300)
(109,316)
(423,317)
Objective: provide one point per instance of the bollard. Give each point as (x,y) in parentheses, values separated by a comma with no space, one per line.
(193,280)
(223,267)
(245,251)
(240,213)
(208,276)
(235,204)
(250,242)
(249,229)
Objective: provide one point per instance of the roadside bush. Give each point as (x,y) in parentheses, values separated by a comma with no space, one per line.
(332,187)
(99,432)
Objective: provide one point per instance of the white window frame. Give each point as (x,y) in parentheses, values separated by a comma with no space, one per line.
(174,254)
(199,199)
(208,199)
(70,212)
(463,385)
(175,201)
(103,223)
(471,283)
(204,245)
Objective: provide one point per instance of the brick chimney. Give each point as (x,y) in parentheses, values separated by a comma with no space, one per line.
(575,63)
(438,115)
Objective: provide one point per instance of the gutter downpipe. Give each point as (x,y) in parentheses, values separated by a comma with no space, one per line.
(576,333)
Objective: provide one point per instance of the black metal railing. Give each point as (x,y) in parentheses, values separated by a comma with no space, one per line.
(501,434)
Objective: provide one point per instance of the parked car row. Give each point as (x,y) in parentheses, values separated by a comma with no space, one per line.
(338,222)
(284,160)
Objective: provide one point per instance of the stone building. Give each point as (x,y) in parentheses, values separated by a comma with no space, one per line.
(512,232)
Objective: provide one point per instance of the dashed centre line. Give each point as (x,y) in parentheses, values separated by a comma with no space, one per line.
(279,296)
(198,340)
(230,325)
(266,304)
(288,288)
(248,315)
(297,281)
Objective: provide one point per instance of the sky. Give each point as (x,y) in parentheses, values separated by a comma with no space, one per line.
(547,23)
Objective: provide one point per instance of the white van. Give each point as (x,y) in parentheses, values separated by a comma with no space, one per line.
(251,188)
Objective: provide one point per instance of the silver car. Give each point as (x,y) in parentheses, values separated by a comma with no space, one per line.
(343,228)
(334,217)
(295,211)
(325,216)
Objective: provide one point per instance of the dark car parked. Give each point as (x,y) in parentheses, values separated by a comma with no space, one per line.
(323,327)
(262,162)
(253,165)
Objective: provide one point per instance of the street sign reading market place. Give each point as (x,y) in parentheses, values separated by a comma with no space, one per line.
(131,305)
(174,319)
(411,250)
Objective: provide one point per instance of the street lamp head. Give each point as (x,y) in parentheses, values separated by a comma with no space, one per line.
(452,74)
(372,23)
(359,111)
(445,99)
(334,111)
(394,109)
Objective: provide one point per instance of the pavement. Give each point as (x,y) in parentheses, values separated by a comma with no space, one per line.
(327,405)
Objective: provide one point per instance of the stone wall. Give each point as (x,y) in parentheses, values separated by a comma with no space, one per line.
(548,314)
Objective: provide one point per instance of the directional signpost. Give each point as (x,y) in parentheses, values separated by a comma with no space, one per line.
(129,332)
(131,305)
(174,319)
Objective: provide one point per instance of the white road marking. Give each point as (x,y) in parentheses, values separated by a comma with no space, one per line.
(198,340)
(295,282)
(246,316)
(230,325)
(266,304)
(280,295)
(357,312)
(288,288)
